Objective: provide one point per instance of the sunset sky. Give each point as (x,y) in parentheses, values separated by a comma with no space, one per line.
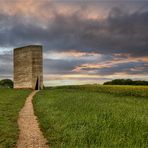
(84,41)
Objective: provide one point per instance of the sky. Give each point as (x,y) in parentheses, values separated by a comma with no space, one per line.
(84,41)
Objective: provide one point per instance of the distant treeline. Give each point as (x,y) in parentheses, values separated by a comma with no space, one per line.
(126,82)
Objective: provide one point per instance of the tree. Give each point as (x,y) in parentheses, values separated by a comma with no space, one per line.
(6,83)
(126,82)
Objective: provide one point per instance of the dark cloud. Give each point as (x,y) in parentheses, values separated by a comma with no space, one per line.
(61,66)
(5,64)
(120,32)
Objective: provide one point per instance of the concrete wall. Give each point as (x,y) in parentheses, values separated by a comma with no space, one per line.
(28,67)
(37,72)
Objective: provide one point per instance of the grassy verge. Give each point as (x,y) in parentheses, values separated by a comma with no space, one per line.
(85,118)
(11,101)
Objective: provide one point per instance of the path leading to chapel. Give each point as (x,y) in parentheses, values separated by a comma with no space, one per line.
(30,133)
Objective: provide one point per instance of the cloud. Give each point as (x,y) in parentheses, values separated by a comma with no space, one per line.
(78,38)
(118,63)
(74,31)
(6,64)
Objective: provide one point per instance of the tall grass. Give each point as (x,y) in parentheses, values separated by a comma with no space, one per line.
(80,117)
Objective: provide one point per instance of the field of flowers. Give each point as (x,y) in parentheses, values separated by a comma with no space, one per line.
(139,91)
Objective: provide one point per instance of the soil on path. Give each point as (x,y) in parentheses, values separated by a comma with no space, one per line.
(30,133)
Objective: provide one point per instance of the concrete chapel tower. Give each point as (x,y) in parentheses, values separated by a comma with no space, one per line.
(28,67)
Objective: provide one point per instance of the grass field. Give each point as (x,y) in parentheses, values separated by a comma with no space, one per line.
(11,101)
(82,116)
(126,90)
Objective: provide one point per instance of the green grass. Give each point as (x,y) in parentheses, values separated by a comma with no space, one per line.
(126,90)
(11,101)
(74,117)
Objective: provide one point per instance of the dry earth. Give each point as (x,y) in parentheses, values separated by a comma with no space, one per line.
(30,133)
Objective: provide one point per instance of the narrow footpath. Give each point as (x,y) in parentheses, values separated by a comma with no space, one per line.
(30,133)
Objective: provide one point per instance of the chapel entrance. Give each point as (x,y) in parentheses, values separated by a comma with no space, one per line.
(37,85)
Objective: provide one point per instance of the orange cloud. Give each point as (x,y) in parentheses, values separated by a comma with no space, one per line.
(114,62)
(43,10)
(137,69)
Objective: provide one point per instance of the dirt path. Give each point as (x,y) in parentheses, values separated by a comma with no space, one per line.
(30,134)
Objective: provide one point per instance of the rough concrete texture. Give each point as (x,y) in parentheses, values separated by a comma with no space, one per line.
(28,67)
(30,134)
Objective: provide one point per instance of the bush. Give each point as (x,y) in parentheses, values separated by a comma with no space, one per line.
(6,83)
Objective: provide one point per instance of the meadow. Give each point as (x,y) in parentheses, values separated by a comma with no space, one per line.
(94,116)
(11,101)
